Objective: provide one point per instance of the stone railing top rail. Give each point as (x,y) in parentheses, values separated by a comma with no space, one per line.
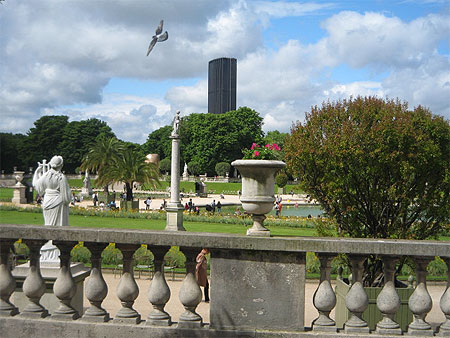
(229,241)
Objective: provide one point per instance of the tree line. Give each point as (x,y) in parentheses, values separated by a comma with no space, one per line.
(206,140)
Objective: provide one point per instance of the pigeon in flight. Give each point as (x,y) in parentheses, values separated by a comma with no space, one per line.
(158,37)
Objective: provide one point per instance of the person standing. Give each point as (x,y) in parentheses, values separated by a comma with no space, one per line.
(201,272)
(95,199)
(219,207)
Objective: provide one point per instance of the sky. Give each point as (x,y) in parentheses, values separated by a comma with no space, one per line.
(87,58)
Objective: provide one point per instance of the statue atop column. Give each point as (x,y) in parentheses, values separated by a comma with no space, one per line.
(50,182)
(176,124)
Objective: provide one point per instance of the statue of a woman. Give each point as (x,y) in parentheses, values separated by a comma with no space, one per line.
(50,182)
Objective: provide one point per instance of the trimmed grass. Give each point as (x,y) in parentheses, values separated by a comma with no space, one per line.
(6,194)
(16,217)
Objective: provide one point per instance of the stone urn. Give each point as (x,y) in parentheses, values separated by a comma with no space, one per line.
(257,198)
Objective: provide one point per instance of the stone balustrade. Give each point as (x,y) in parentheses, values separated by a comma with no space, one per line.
(257,286)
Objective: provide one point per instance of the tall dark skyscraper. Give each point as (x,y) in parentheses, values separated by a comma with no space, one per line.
(222,85)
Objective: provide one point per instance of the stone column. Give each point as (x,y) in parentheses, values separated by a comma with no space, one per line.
(356,300)
(388,301)
(159,292)
(34,284)
(127,290)
(324,298)
(420,302)
(7,281)
(65,287)
(174,208)
(444,329)
(96,288)
(190,293)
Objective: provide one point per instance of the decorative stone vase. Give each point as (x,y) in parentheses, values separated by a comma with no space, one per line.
(257,198)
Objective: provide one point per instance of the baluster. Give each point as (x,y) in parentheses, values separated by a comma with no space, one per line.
(356,300)
(190,293)
(7,281)
(127,290)
(96,288)
(420,302)
(388,301)
(159,292)
(34,284)
(65,287)
(444,329)
(324,298)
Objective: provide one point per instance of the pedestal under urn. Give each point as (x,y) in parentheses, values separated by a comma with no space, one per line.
(257,198)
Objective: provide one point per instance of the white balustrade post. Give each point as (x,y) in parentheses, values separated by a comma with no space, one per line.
(356,300)
(159,292)
(324,298)
(65,287)
(190,293)
(34,284)
(420,302)
(444,329)
(96,288)
(7,281)
(388,301)
(127,290)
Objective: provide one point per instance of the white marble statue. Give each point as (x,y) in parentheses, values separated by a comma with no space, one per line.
(176,124)
(185,172)
(50,182)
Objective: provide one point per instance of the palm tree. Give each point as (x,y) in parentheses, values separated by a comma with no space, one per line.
(129,167)
(102,155)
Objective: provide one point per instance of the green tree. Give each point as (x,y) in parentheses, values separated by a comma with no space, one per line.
(211,138)
(276,137)
(101,155)
(10,155)
(194,168)
(158,142)
(281,179)
(78,138)
(128,166)
(379,169)
(164,165)
(222,168)
(43,139)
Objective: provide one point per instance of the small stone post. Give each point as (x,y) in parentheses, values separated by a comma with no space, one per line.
(7,281)
(420,302)
(444,329)
(174,208)
(19,189)
(324,298)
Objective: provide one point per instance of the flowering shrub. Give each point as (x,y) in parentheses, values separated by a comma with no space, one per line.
(257,152)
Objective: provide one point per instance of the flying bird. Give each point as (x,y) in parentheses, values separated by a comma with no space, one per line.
(158,37)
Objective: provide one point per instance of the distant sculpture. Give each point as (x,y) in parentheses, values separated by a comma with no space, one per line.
(158,37)
(185,172)
(86,190)
(176,124)
(50,182)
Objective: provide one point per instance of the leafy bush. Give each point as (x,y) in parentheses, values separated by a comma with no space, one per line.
(281,179)
(80,253)
(194,168)
(164,165)
(174,257)
(222,168)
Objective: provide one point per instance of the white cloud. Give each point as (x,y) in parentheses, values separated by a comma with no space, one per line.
(59,54)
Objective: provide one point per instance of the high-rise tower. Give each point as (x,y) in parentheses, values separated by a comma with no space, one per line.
(222,85)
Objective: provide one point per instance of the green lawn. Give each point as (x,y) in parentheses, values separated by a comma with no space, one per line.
(16,217)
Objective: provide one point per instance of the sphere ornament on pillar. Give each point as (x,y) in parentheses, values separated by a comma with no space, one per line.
(257,198)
